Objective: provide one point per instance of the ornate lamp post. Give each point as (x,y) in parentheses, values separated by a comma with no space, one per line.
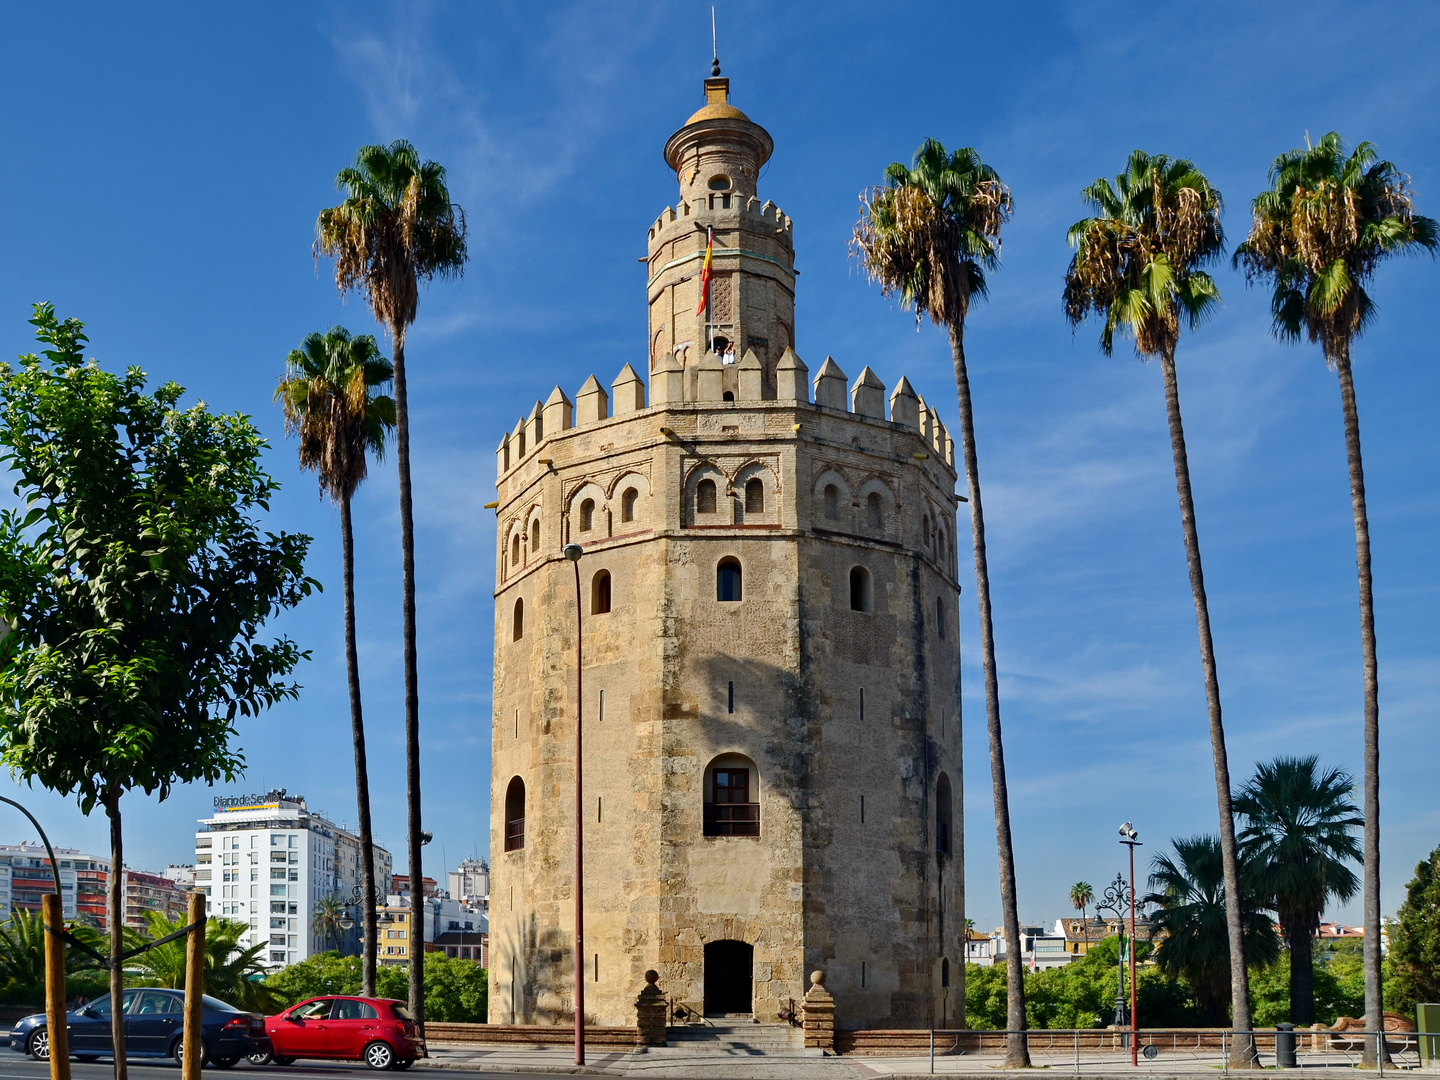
(572,552)
(359,899)
(1116,898)
(1130,838)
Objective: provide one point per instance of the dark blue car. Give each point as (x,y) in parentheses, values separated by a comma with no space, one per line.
(154,1023)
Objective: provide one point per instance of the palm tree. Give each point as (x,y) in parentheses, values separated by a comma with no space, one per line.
(1081,897)
(329,920)
(1192,917)
(1299,837)
(22,952)
(328,396)
(1137,264)
(928,235)
(1317,236)
(396,228)
(232,973)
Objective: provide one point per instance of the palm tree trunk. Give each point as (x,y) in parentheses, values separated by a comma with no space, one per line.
(1242,1049)
(1017,1052)
(368,918)
(1302,971)
(1374,1003)
(416,940)
(115,902)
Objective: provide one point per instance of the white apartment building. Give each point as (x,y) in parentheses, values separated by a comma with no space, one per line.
(268,860)
(25,876)
(470,882)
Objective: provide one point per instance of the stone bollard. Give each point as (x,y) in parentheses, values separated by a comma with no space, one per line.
(819,1015)
(650,1012)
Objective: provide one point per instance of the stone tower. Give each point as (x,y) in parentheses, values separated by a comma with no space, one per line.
(768,599)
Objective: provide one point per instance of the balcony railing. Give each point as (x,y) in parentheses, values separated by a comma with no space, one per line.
(732,819)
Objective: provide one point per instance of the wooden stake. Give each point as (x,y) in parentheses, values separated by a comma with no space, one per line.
(194,988)
(55,1017)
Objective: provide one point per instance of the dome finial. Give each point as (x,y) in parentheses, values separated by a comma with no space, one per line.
(714,49)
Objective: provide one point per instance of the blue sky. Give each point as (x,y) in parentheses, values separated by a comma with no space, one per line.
(165,164)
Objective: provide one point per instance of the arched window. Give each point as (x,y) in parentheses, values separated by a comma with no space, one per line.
(728,395)
(727,580)
(754,495)
(600,593)
(515,551)
(925,529)
(519,627)
(732,797)
(832,501)
(944,972)
(515,814)
(534,536)
(861,598)
(940,616)
(627,504)
(874,514)
(587,515)
(942,815)
(705,497)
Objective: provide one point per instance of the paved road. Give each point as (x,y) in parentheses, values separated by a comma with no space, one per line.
(14,1066)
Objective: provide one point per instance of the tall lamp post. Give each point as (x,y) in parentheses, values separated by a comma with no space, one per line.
(572,552)
(1130,838)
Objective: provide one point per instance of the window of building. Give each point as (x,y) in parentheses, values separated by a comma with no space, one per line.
(518,630)
(514,815)
(587,515)
(719,183)
(600,593)
(727,580)
(861,596)
(832,501)
(627,504)
(728,395)
(705,497)
(944,973)
(874,513)
(731,797)
(754,495)
(534,536)
(943,813)
(940,615)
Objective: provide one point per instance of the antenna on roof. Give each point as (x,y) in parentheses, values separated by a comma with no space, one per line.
(714,49)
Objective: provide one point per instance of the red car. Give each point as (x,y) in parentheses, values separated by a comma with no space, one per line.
(378,1031)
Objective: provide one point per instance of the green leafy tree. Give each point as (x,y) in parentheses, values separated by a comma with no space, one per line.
(928,235)
(233,972)
(1190,911)
(22,956)
(1415,938)
(327,973)
(396,228)
(1299,834)
(330,400)
(1316,237)
(1138,264)
(137,582)
(455,990)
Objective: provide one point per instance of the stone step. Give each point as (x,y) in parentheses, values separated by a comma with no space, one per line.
(738,1038)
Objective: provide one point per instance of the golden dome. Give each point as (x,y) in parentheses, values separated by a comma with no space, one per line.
(717,111)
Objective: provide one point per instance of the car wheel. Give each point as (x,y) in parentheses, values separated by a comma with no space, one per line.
(226,1062)
(404,1063)
(279,1060)
(38,1045)
(379,1055)
(261,1057)
(178,1053)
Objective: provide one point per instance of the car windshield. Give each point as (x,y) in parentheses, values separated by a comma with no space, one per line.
(101,1005)
(215,1003)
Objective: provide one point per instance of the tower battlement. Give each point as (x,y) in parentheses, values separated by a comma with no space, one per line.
(727,389)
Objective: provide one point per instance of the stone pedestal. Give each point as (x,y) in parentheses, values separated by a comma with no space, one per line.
(650,1012)
(819,1013)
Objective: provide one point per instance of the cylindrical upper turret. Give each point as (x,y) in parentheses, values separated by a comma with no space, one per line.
(717,157)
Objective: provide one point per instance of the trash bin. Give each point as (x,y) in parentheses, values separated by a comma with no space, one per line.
(1285,1046)
(1427,1023)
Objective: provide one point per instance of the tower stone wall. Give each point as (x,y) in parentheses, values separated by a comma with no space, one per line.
(768,599)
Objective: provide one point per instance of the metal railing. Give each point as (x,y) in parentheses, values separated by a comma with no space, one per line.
(1102,1050)
(732,819)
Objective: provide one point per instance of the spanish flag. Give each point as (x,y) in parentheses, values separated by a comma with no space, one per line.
(705,272)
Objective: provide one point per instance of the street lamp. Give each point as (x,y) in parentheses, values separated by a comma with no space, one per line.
(1116,898)
(1131,839)
(572,553)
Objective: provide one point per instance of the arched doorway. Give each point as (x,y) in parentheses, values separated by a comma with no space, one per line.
(728,968)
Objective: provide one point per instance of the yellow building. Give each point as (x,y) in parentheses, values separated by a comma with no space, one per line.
(394,931)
